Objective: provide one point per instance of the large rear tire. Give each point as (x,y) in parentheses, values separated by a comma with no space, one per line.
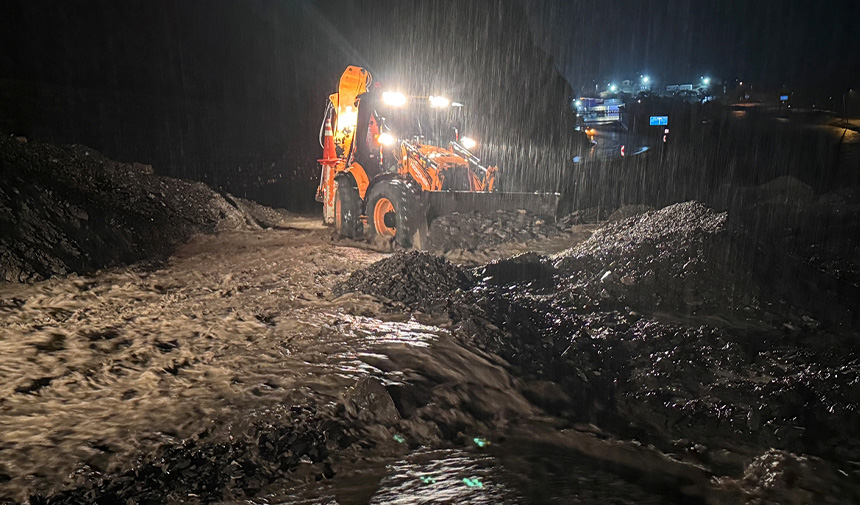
(394,213)
(347,209)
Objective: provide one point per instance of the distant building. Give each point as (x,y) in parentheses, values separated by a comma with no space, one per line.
(592,111)
(634,86)
(701,91)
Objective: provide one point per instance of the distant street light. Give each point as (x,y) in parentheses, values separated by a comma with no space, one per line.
(645,79)
(706,80)
(613,88)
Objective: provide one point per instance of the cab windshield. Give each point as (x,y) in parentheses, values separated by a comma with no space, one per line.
(419,122)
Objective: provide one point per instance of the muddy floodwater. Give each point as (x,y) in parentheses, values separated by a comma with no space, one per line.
(283,366)
(101,370)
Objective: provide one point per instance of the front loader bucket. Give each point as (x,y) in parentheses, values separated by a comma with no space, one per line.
(439,203)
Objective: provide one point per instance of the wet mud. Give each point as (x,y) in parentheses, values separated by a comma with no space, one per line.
(662,328)
(416,279)
(663,356)
(68,209)
(478,231)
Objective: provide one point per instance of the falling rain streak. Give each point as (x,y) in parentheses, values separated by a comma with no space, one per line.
(674,320)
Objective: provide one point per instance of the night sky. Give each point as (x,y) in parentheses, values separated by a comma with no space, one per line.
(795,43)
(772,42)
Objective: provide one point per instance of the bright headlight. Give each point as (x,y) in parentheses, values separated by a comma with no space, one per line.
(394,98)
(385,139)
(439,101)
(468,143)
(347,118)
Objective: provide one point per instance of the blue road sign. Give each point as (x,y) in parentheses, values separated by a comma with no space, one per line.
(659,120)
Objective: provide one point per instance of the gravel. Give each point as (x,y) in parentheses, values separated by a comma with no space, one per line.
(415,278)
(66,209)
(210,468)
(475,231)
(609,322)
(679,258)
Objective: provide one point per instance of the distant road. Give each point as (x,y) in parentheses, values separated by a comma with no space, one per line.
(609,141)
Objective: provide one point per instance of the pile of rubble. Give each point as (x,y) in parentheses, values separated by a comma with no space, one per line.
(605,322)
(679,257)
(69,209)
(215,467)
(781,477)
(474,230)
(417,279)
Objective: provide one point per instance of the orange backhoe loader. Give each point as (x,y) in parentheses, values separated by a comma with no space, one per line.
(392,163)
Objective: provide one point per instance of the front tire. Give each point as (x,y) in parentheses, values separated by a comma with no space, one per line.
(394,213)
(347,209)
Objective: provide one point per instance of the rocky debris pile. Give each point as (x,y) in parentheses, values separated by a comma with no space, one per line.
(783,477)
(811,240)
(69,209)
(593,320)
(215,467)
(529,268)
(680,226)
(783,189)
(583,216)
(626,211)
(681,257)
(707,394)
(597,214)
(259,216)
(753,387)
(474,230)
(415,278)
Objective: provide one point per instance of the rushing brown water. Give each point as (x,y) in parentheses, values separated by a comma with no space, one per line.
(97,369)
(233,374)
(101,370)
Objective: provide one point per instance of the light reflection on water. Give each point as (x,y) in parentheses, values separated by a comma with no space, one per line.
(517,474)
(439,476)
(374,331)
(443,476)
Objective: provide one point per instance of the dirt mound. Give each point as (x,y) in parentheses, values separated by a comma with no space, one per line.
(613,330)
(475,230)
(626,211)
(677,257)
(217,466)
(583,216)
(415,278)
(728,390)
(69,209)
(785,189)
(255,214)
(529,268)
(783,477)
(662,232)
(767,262)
